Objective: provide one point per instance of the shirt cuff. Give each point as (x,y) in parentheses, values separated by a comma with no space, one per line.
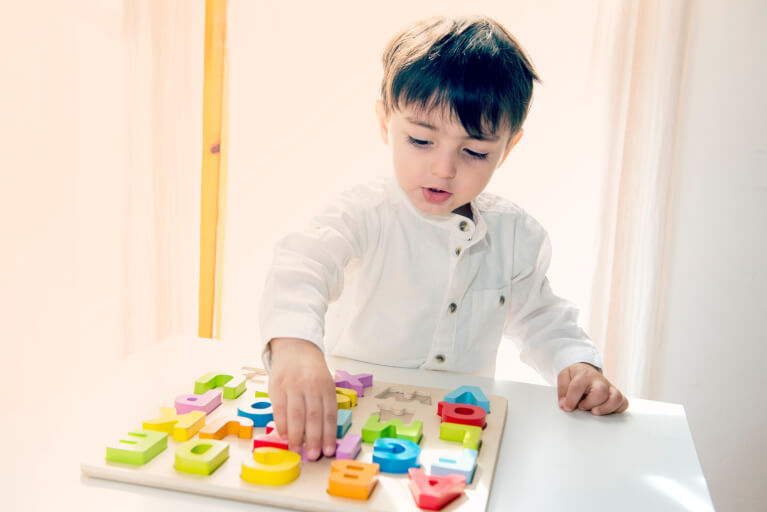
(288,327)
(569,357)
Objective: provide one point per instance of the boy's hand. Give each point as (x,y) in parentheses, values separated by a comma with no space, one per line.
(303,396)
(582,386)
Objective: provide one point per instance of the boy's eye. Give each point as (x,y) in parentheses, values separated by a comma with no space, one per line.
(418,142)
(474,154)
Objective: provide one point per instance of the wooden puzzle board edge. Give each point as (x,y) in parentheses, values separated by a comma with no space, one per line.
(308,492)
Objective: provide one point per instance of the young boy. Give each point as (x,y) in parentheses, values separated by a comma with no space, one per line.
(433,271)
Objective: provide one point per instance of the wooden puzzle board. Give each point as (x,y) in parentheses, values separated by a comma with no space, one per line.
(308,492)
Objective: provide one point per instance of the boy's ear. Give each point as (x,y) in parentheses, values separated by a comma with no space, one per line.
(383,121)
(512,143)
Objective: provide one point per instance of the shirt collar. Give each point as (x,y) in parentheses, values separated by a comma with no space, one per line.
(458,226)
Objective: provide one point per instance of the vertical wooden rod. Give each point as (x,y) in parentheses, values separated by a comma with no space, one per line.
(212,117)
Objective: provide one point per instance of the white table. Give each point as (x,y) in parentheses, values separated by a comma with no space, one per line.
(641,460)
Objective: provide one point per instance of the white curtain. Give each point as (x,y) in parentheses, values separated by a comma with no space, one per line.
(99,199)
(138,84)
(163,60)
(639,62)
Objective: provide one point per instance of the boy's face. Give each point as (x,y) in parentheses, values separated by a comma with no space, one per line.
(437,164)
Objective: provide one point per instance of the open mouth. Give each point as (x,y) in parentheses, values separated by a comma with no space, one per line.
(435,195)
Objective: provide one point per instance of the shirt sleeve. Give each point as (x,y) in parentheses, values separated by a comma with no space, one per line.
(307,272)
(544,325)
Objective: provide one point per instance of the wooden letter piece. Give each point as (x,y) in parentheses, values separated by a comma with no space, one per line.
(259,411)
(348,447)
(352,479)
(396,455)
(434,492)
(465,414)
(346,398)
(358,382)
(183,426)
(223,426)
(207,402)
(272,438)
(469,395)
(233,386)
(344,422)
(201,456)
(138,448)
(374,429)
(271,466)
(464,465)
(469,435)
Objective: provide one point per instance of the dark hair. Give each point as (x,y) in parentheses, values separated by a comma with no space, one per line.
(472,65)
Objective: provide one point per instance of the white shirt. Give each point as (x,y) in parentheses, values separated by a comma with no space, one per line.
(421,290)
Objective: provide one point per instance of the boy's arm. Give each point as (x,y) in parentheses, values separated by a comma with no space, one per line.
(307,274)
(546,325)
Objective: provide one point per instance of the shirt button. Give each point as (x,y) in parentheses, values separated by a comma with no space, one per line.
(452,307)
(502,300)
(439,358)
(457,251)
(462,226)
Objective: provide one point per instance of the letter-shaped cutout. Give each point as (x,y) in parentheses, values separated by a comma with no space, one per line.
(271,466)
(358,382)
(260,411)
(471,395)
(469,435)
(463,465)
(396,455)
(374,429)
(346,398)
(233,386)
(201,456)
(344,422)
(207,402)
(224,426)
(465,414)
(434,492)
(183,426)
(352,479)
(138,448)
(349,447)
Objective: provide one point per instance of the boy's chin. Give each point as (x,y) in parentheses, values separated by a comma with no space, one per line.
(433,209)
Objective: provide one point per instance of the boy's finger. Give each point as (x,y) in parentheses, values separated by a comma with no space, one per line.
(624,405)
(296,421)
(612,404)
(313,426)
(563,381)
(599,392)
(575,391)
(279,412)
(330,412)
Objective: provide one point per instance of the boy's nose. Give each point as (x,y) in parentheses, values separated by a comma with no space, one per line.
(443,167)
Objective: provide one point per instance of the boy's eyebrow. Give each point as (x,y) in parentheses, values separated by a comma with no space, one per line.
(419,122)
